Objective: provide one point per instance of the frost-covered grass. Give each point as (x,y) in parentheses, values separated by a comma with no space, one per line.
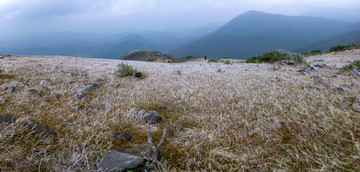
(245,117)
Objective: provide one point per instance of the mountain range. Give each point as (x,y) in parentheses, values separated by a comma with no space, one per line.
(249,34)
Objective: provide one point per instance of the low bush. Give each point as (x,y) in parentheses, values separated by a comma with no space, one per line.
(343,47)
(315,52)
(277,55)
(354,65)
(213,60)
(124,70)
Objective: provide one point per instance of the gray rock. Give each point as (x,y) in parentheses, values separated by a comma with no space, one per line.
(304,73)
(32,91)
(120,135)
(1,57)
(118,161)
(77,107)
(10,88)
(138,150)
(5,118)
(150,116)
(40,129)
(80,95)
(357,73)
(89,86)
(291,62)
(277,68)
(99,80)
(283,62)
(342,89)
(313,67)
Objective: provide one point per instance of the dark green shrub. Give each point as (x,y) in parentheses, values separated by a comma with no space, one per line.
(343,47)
(305,53)
(354,65)
(276,55)
(124,70)
(227,62)
(214,60)
(315,52)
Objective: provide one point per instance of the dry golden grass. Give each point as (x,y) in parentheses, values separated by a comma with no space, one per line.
(244,117)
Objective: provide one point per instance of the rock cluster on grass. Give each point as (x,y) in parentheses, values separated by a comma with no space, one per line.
(117,161)
(120,135)
(5,118)
(80,95)
(150,116)
(289,62)
(10,88)
(39,129)
(89,86)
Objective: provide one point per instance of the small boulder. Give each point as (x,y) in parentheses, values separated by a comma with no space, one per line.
(137,74)
(342,89)
(40,129)
(5,118)
(277,68)
(10,88)
(89,86)
(120,135)
(118,161)
(291,62)
(99,80)
(80,95)
(32,91)
(77,107)
(138,150)
(314,67)
(1,57)
(150,116)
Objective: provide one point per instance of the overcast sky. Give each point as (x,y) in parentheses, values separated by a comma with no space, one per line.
(111,16)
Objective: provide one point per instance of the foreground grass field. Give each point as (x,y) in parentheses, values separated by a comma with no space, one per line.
(220,117)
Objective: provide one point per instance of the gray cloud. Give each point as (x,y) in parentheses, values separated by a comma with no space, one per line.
(118,15)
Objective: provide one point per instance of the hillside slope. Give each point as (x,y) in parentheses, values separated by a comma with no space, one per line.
(352,37)
(254,33)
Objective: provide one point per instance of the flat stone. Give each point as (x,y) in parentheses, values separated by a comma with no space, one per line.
(10,88)
(40,129)
(150,116)
(77,107)
(120,135)
(343,89)
(32,91)
(89,86)
(80,95)
(5,118)
(118,161)
(138,150)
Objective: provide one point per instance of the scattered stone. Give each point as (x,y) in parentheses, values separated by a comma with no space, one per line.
(99,80)
(40,129)
(32,91)
(10,88)
(313,67)
(77,107)
(357,73)
(80,95)
(120,135)
(342,89)
(304,73)
(138,150)
(1,57)
(55,68)
(291,62)
(277,67)
(151,116)
(118,161)
(137,74)
(5,118)
(88,86)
